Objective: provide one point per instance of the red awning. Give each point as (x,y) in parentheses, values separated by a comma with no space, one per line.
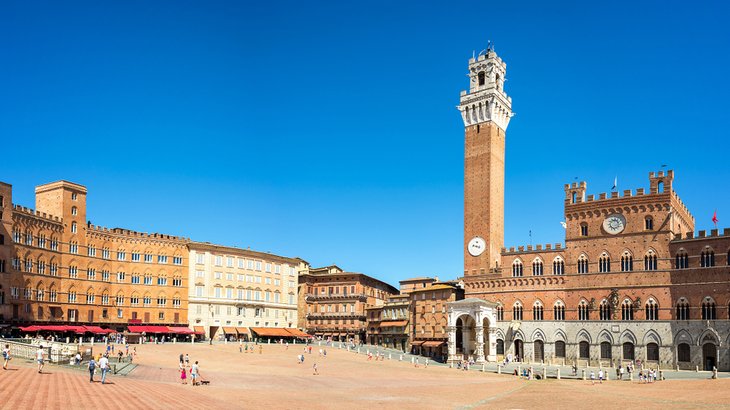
(181,330)
(31,328)
(98,330)
(148,329)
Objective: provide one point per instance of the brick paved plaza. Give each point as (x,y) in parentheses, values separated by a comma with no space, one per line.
(275,380)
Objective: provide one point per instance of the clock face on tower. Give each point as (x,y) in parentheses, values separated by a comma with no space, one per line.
(476,246)
(614,224)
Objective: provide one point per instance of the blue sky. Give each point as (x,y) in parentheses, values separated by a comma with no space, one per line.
(329,131)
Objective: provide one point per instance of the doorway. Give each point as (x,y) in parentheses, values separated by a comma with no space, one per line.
(539,347)
(519,350)
(709,356)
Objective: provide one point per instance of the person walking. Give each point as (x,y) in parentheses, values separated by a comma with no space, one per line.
(194,373)
(593,377)
(314,369)
(104,366)
(6,356)
(92,369)
(183,375)
(600,376)
(39,354)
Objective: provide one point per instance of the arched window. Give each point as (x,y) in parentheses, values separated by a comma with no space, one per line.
(681,261)
(559,311)
(605,310)
(500,346)
(652,352)
(682,309)
(500,312)
(683,353)
(481,77)
(650,261)
(583,229)
(582,264)
(517,311)
(560,349)
(648,223)
(605,350)
(627,310)
(584,350)
(652,310)
(537,267)
(708,309)
(583,310)
(627,262)
(628,351)
(604,263)
(537,311)
(517,268)
(558,266)
(707,258)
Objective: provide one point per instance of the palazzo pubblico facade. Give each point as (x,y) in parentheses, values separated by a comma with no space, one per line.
(632,281)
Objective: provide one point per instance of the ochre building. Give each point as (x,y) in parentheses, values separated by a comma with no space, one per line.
(59,269)
(630,281)
(333,303)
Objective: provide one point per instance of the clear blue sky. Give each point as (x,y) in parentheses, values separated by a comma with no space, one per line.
(329,131)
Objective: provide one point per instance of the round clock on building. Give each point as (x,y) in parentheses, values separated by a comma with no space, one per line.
(614,224)
(476,246)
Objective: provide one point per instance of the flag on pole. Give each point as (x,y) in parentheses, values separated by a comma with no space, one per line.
(615,182)
(714,218)
(564,225)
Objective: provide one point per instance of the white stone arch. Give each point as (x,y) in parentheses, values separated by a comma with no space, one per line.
(628,336)
(707,334)
(651,336)
(499,333)
(483,315)
(519,335)
(583,336)
(683,336)
(560,336)
(605,336)
(538,334)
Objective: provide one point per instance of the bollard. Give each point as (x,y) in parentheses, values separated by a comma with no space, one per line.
(544,373)
(631,376)
(450,365)
(412,358)
(583,374)
(499,369)
(358,350)
(519,370)
(661,374)
(697,368)
(388,356)
(483,369)
(531,374)
(714,372)
(400,359)
(192,340)
(174,340)
(608,377)
(557,374)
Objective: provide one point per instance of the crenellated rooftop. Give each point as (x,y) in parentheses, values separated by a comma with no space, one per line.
(134,234)
(548,247)
(703,234)
(37,214)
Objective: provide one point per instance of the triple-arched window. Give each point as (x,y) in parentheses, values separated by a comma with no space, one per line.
(604,263)
(651,310)
(517,268)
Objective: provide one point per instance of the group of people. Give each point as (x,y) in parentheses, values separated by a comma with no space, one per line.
(245,348)
(186,368)
(103,364)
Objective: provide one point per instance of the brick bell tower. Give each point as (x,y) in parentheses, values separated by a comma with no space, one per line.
(486,110)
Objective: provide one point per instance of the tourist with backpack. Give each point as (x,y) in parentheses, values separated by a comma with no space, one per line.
(92,369)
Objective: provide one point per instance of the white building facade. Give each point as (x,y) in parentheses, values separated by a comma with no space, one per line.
(233,290)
